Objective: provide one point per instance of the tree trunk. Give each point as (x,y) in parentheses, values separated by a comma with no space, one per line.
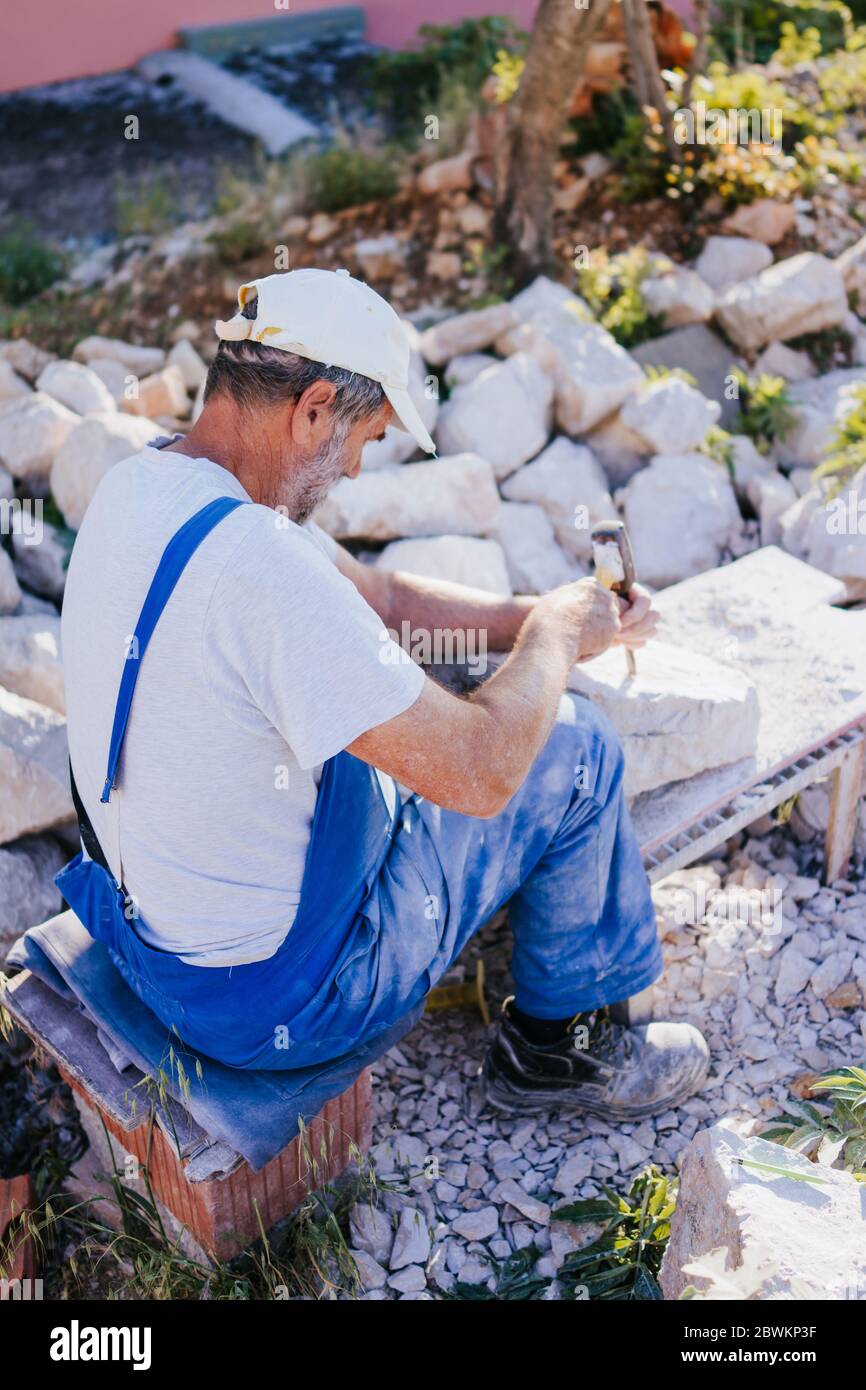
(647,82)
(699,53)
(561,35)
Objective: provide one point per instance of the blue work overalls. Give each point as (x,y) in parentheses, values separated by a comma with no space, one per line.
(392,891)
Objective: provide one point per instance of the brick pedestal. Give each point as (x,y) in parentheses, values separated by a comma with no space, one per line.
(220,1213)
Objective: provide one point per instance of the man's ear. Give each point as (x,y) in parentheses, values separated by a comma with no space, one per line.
(311,417)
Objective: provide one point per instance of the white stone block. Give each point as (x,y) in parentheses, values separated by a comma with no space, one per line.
(568,482)
(681,513)
(800,295)
(503,414)
(480,564)
(679,715)
(455,495)
(779,1238)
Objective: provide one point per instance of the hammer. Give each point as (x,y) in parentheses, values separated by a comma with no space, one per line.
(614,565)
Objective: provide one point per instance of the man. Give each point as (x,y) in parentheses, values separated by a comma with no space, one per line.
(249,864)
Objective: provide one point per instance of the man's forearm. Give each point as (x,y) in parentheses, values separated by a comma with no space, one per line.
(522,697)
(437,604)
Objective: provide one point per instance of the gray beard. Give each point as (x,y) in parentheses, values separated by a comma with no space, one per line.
(324,470)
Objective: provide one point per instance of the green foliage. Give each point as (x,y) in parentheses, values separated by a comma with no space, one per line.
(641,153)
(490,262)
(604,128)
(146,206)
(623,1262)
(819,160)
(410,84)
(654,372)
(611,286)
(717,444)
(846,452)
(753,29)
(797,45)
(27,266)
(765,408)
(515,1281)
(750,89)
(238,241)
(842,82)
(828,348)
(343,177)
(835,1136)
(801,153)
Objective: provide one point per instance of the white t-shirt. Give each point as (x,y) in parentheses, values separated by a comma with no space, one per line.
(266,662)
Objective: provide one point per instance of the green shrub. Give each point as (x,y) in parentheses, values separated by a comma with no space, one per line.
(834,1137)
(238,241)
(623,1262)
(343,178)
(828,348)
(752,29)
(718,445)
(412,83)
(27,266)
(846,453)
(611,286)
(146,206)
(605,127)
(765,408)
(842,82)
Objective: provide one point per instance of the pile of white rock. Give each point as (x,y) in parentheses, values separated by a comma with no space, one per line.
(549,425)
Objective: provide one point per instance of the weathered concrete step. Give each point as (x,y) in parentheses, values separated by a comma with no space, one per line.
(231,98)
(219,41)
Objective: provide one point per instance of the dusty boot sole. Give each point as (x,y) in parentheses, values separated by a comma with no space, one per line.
(512,1101)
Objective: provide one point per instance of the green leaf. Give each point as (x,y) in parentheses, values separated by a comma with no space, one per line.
(578,1213)
(645,1286)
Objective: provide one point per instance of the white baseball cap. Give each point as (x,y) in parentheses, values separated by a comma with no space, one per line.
(329,317)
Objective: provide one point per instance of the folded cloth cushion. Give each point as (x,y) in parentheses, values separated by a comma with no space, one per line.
(257,1113)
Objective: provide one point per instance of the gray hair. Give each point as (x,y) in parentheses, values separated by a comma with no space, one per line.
(255,376)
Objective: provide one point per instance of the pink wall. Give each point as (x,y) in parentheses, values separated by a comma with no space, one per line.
(47,40)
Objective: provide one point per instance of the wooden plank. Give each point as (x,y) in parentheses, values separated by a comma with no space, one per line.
(847,786)
(70,1039)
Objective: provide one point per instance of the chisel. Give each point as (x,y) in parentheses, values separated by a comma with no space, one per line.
(614,566)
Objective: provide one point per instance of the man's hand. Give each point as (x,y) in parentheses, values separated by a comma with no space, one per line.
(589,614)
(638,618)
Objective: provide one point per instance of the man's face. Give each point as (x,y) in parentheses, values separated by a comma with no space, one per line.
(371,427)
(332,453)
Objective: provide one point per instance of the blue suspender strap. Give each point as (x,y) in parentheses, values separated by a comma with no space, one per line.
(171,566)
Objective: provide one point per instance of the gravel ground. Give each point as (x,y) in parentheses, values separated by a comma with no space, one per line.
(764,995)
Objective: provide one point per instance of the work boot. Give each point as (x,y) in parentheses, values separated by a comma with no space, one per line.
(601,1067)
